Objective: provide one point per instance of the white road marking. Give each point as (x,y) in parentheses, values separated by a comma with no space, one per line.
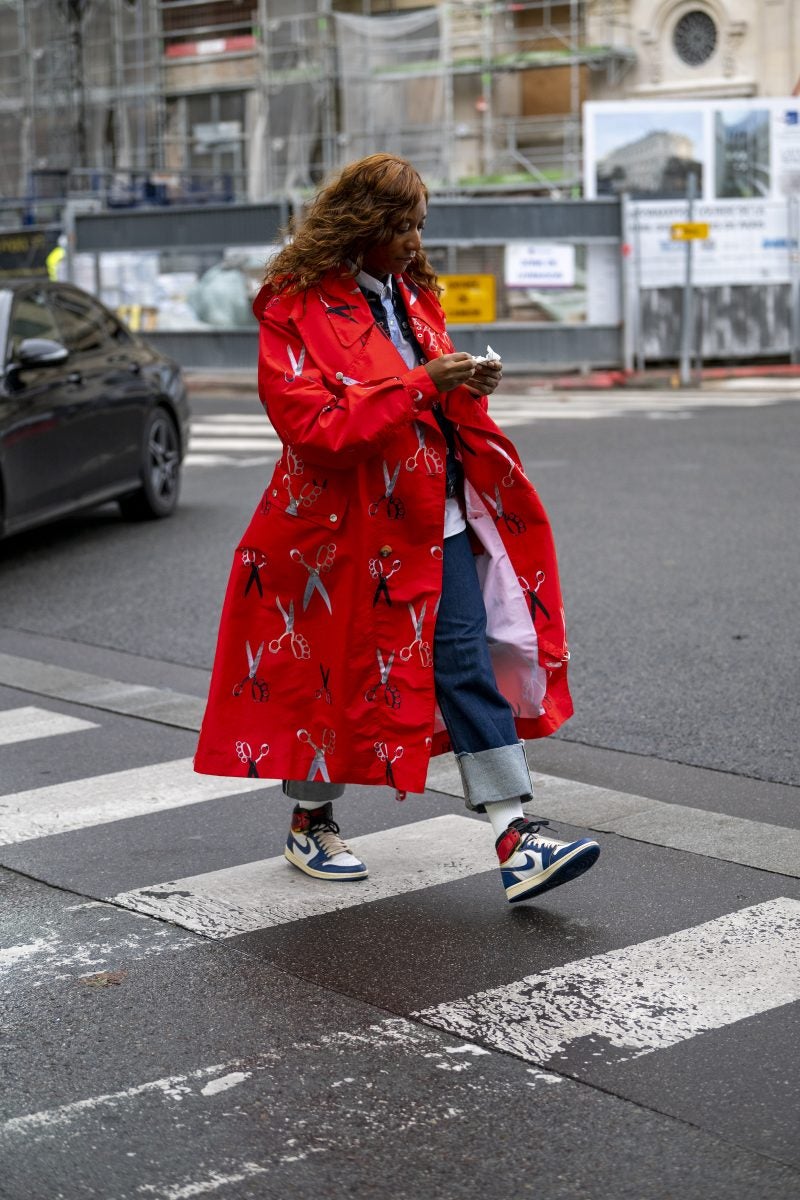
(202,1187)
(232,440)
(259,895)
(229,423)
(26,724)
(55,956)
(524,407)
(761,383)
(228,460)
(250,443)
(161,705)
(114,797)
(224,1082)
(172,1087)
(641,998)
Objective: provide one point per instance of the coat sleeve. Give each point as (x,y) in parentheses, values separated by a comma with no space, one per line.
(331,428)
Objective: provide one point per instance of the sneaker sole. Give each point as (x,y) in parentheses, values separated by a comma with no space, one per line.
(340,876)
(561,872)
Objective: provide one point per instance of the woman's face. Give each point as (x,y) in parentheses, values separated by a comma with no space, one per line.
(392,257)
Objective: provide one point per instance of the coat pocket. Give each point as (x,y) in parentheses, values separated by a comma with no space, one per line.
(308,499)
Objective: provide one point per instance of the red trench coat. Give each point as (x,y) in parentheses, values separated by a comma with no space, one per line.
(323,667)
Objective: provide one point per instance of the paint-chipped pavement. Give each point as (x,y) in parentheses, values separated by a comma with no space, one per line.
(279,1088)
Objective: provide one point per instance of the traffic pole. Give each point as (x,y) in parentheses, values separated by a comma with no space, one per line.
(687,312)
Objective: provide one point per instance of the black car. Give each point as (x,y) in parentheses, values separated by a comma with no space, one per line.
(88,411)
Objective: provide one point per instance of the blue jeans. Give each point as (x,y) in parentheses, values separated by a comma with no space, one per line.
(477,716)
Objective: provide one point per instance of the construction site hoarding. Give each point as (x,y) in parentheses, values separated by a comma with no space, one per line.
(745,157)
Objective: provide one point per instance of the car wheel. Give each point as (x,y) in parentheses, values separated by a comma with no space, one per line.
(160,471)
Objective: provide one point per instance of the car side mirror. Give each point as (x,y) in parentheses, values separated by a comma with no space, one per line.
(40,352)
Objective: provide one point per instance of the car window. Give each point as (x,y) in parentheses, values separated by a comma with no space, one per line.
(31,317)
(84,325)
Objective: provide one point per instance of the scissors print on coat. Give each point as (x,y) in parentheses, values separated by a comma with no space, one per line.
(508,479)
(531,593)
(323,562)
(391,695)
(382,751)
(423,648)
(294,464)
(338,310)
(377,571)
(256,561)
(318,764)
(513,523)
(245,754)
(431,459)
(324,692)
(308,495)
(395,509)
(297,643)
(296,364)
(259,688)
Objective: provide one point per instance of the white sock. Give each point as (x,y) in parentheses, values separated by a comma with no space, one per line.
(309,805)
(502,813)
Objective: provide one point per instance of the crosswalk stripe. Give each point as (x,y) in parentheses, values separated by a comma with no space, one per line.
(219,438)
(161,705)
(259,895)
(250,444)
(228,460)
(28,723)
(233,419)
(641,998)
(99,799)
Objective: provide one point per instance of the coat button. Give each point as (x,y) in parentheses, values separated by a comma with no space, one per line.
(333,517)
(339,376)
(274,491)
(385,551)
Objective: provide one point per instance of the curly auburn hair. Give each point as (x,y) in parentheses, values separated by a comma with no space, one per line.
(359,208)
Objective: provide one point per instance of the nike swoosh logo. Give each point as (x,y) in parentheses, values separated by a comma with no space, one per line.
(530,864)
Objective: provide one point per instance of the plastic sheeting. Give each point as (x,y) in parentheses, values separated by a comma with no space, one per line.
(392,88)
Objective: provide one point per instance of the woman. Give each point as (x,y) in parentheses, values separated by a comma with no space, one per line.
(354,642)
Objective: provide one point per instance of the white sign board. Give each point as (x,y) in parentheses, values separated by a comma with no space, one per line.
(749,243)
(745,155)
(539,265)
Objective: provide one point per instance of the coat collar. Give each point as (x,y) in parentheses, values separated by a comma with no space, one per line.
(339,299)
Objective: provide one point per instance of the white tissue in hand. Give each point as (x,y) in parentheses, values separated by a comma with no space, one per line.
(490,356)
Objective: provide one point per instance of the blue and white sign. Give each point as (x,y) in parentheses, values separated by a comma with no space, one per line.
(540,265)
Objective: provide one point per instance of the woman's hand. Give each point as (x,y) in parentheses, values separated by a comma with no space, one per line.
(450,370)
(486,378)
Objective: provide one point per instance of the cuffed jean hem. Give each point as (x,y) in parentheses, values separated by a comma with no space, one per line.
(497,774)
(314,790)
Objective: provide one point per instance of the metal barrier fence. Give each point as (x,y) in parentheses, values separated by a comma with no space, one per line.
(456,230)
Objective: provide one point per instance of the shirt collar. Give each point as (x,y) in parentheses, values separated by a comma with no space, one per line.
(374,285)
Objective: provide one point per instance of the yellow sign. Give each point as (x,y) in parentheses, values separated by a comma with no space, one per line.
(469,298)
(690,231)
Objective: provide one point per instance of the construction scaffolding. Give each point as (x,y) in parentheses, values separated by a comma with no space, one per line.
(159,101)
(478,94)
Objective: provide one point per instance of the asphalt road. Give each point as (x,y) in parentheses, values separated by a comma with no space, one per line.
(180,1023)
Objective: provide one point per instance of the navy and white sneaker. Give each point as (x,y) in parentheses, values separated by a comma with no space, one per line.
(530,864)
(314,845)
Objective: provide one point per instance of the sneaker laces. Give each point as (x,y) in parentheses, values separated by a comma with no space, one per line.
(326,831)
(529,824)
